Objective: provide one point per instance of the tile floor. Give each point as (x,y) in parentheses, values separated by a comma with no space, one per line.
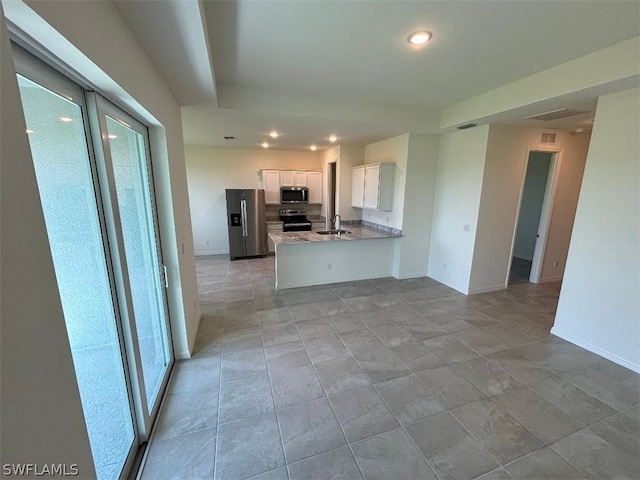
(388,379)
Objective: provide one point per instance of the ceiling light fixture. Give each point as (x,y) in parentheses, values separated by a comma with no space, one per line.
(419,38)
(112,136)
(29,131)
(274,134)
(265,145)
(333,138)
(313,148)
(65,119)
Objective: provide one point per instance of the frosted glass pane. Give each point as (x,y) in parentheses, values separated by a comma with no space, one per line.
(133,189)
(59,150)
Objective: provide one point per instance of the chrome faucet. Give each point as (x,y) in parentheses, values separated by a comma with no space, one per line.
(338,225)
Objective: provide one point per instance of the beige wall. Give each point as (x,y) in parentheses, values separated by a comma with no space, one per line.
(412,250)
(41,419)
(211,170)
(599,306)
(504,171)
(457,201)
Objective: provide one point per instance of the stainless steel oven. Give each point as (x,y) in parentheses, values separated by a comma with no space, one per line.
(295,221)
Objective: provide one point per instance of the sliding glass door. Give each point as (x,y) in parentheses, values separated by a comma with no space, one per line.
(97,198)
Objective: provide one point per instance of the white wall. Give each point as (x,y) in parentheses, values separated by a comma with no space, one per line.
(504,172)
(531,206)
(392,150)
(350,156)
(211,170)
(599,306)
(92,39)
(412,250)
(460,169)
(41,419)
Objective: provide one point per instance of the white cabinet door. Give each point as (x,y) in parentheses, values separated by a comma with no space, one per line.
(357,187)
(371,186)
(314,182)
(293,178)
(300,179)
(272,227)
(286,178)
(271,185)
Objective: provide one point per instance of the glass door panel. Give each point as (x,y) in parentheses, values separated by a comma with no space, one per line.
(66,181)
(129,162)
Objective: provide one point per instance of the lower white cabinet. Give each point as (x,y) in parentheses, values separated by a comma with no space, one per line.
(273,227)
(372,186)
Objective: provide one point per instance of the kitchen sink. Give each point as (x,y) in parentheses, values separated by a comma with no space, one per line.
(331,232)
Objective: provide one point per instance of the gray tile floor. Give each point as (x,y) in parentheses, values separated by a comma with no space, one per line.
(388,379)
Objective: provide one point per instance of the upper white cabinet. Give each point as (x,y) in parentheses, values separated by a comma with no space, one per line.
(314,182)
(272,180)
(357,187)
(271,185)
(293,178)
(372,186)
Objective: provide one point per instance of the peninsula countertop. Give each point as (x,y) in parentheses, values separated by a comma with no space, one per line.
(357,232)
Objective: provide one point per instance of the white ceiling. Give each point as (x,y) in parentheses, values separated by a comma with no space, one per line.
(314,67)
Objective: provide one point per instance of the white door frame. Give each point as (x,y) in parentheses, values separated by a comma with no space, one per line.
(545,214)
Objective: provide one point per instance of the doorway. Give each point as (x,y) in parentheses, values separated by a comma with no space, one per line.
(93,169)
(331,204)
(533,217)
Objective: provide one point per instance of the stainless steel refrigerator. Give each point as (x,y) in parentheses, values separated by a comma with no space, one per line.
(246,222)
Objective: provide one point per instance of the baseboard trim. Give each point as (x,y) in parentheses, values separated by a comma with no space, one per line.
(494,288)
(597,350)
(410,275)
(556,278)
(211,252)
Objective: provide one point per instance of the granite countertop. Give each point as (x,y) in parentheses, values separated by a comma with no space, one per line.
(357,232)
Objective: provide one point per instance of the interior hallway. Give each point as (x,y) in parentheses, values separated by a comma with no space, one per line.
(394,379)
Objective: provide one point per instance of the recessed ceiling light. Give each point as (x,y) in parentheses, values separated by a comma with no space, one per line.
(65,119)
(419,38)
(29,131)
(273,134)
(112,136)
(265,145)
(313,148)
(333,138)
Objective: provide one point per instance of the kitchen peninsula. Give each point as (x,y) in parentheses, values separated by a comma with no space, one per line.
(310,258)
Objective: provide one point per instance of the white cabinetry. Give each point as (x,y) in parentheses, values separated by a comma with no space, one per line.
(357,187)
(273,227)
(272,180)
(271,185)
(372,186)
(314,182)
(293,178)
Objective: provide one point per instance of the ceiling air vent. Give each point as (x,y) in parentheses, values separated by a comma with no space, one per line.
(468,125)
(555,114)
(547,137)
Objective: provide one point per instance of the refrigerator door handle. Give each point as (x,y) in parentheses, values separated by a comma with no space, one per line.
(243,211)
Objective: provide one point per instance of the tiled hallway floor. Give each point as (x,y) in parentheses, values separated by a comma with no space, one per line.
(388,379)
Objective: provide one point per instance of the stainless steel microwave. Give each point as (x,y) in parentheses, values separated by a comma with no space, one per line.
(294,195)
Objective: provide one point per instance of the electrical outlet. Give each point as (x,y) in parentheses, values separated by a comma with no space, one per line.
(207,242)
(465,227)
(329,266)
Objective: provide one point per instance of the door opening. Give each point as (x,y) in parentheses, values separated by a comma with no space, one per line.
(331,208)
(534,216)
